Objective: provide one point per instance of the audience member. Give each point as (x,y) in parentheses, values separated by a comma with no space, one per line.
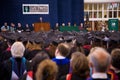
(79,67)
(114,70)
(6,54)
(5,27)
(47,70)
(51,49)
(33,47)
(30,75)
(78,47)
(60,58)
(3,44)
(17,65)
(99,61)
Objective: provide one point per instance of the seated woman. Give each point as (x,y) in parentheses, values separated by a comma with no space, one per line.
(79,67)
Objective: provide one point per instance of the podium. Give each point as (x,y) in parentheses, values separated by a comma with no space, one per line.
(41,26)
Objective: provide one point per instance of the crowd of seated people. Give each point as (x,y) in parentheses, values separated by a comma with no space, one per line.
(47,56)
(16,28)
(28,28)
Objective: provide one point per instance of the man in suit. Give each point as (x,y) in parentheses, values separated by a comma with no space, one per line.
(99,61)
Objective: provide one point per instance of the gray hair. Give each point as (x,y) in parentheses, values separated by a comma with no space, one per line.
(17,49)
(100,59)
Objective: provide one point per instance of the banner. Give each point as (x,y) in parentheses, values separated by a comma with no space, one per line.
(35,8)
(113,24)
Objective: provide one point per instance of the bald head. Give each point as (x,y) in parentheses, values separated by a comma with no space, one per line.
(100,59)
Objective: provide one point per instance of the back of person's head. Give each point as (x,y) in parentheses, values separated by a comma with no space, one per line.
(115,55)
(17,49)
(100,59)
(51,49)
(63,49)
(79,64)
(47,70)
(29,45)
(38,58)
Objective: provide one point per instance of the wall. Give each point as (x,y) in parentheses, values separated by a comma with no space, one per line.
(60,11)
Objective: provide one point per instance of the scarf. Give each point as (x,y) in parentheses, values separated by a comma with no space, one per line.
(16,73)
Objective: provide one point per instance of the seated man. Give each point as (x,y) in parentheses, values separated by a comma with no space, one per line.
(69,24)
(12,27)
(99,61)
(56,27)
(5,27)
(63,63)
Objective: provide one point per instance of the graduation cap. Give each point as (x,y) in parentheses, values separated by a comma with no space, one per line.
(38,40)
(115,37)
(10,37)
(80,41)
(67,33)
(55,42)
(68,38)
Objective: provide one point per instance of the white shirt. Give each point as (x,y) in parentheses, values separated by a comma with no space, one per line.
(99,75)
(60,57)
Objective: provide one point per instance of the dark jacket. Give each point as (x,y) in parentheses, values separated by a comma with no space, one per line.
(6,69)
(63,66)
(30,54)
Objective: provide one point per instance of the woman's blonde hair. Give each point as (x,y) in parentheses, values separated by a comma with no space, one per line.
(79,64)
(47,70)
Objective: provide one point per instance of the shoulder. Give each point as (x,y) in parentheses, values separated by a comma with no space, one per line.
(112,75)
(7,62)
(28,64)
(61,61)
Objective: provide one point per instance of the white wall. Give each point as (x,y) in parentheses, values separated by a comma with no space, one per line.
(100,1)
